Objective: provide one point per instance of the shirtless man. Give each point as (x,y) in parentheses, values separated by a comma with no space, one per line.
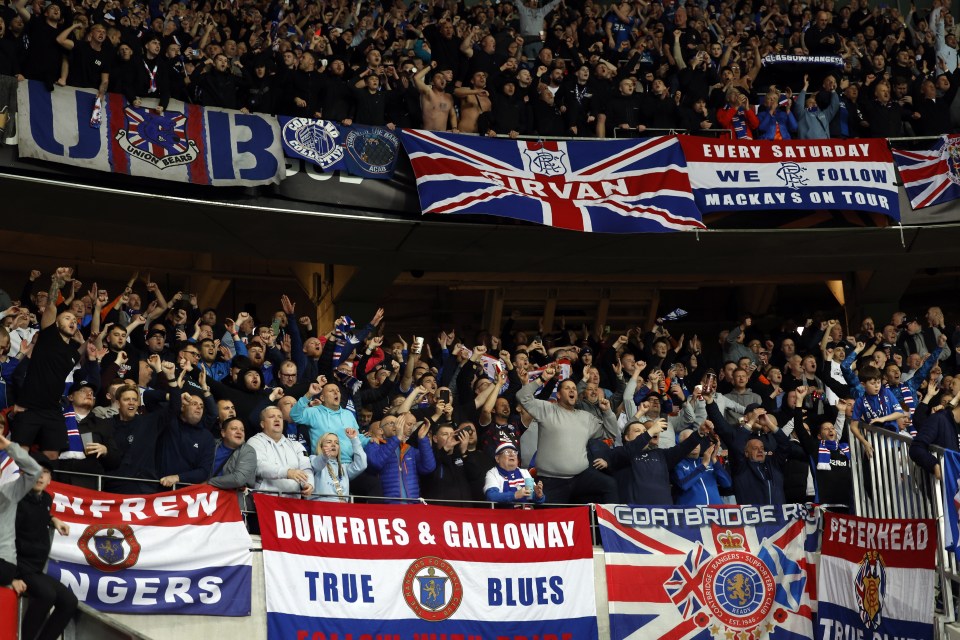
(435,102)
(474,101)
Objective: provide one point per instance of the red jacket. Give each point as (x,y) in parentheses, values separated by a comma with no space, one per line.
(740,122)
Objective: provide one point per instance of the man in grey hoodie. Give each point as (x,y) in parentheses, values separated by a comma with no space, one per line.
(564,430)
(10,494)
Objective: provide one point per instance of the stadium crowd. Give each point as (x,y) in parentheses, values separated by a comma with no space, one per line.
(157,392)
(509,68)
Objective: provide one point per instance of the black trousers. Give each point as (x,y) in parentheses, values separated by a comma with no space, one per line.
(587,486)
(45,593)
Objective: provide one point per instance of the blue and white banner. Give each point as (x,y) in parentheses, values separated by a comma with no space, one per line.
(368,152)
(951,499)
(788,58)
(183,552)
(765,175)
(876,578)
(410,571)
(688,573)
(184,143)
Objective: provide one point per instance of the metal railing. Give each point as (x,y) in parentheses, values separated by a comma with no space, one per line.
(891,485)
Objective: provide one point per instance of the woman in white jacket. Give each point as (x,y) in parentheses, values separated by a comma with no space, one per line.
(331,479)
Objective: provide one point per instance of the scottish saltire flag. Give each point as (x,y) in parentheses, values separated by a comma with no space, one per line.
(8,468)
(709,572)
(614,186)
(181,552)
(412,571)
(931,177)
(768,175)
(876,578)
(950,468)
(185,143)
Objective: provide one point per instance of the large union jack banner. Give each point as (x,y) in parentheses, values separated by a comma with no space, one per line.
(692,573)
(614,186)
(933,176)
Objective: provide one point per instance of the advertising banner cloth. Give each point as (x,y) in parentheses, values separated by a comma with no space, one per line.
(933,176)
(764,175)
(709,572)
(185,143)
(614,186)
(410,571)
(181,552)
(876,578)
(368,152)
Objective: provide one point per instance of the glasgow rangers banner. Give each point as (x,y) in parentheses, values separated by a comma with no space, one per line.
(763,175)
(368,152)
(931,177)
(181,552)
(186,143)
(876,578)
(708,572)
(616,186)
(403,572)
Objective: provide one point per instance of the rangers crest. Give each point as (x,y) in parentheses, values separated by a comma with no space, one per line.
(157,138)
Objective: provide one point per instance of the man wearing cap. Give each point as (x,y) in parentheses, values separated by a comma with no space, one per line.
(564,431)
(91,446)
(757,453)
(508,483)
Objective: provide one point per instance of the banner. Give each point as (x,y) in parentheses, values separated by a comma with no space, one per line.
(745,175)
(950,469)
(876,578)
(708,572)
(931,177)
(186,143)
(788,58)
(409,571)
(614,186)
(182,552)
(368,152)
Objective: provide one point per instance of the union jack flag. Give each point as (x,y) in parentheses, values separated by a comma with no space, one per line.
(160,135)
(8,468)
(613,186)
(931,177)
(693,573)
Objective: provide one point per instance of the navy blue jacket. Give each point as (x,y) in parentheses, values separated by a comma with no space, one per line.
(188,451)
(753,482)
(643,475)
(941,430)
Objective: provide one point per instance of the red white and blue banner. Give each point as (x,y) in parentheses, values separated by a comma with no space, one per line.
(950,467)
(406,572)
(709,572)
(8,468)
(876,578)
(185,143)
(765,175)
(933,176)
(368,152)
(615,186)
(182,552)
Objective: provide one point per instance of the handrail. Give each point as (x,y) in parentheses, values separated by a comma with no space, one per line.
(891,485)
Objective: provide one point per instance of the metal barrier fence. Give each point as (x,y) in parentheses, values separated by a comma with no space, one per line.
(891,485)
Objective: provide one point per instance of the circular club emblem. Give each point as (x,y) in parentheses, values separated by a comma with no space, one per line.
(109,547)
(432,589)
(739,589)
(951,151)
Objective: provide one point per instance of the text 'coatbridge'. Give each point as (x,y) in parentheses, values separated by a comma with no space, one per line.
(327,529)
